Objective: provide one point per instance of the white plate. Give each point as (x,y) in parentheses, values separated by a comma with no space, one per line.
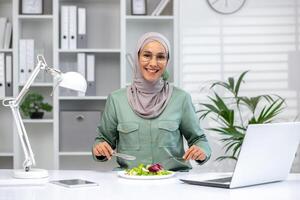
(124,175)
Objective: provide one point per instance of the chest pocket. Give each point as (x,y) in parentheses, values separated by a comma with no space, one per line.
(128,136)
(169,135)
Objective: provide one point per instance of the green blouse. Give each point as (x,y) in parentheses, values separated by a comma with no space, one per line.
(157,140)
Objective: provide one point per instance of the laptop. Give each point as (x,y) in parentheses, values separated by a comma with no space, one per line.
(266,156)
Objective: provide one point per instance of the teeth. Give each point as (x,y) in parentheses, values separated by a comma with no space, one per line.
(152,70)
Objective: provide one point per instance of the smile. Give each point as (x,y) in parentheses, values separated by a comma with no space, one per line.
(151,70)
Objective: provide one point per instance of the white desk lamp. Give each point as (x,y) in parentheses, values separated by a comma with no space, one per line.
(70,80)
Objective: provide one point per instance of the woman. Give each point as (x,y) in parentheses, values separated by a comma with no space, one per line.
(149,118)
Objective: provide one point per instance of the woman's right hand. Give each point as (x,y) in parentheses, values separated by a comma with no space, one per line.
(103,149)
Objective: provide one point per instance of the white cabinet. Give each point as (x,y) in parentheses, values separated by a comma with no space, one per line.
(111,33)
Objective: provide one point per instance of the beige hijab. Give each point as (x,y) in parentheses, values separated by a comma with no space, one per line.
(149,99)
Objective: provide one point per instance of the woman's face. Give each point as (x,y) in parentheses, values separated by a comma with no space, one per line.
(153,61)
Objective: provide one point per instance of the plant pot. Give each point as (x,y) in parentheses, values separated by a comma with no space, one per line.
(37,115)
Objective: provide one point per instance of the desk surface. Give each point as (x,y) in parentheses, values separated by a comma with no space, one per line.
(113,187)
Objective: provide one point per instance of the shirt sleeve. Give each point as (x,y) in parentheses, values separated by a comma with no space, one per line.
(190,128)
(107,130)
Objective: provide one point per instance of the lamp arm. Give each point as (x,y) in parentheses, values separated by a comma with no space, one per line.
(14,104)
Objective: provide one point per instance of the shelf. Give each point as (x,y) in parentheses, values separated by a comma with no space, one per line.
(6,50)
(35,17)
(89,50)
(6,154)
(147,17)
(39,85)
(83,98)
(37,121)
(75,153)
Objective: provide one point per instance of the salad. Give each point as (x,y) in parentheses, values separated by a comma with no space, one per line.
(148,170)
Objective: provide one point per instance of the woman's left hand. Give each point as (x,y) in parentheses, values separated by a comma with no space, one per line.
(194,153)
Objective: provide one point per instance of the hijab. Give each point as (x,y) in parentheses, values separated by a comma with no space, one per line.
(149,99)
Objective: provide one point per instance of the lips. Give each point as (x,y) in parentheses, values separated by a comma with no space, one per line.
(151,70)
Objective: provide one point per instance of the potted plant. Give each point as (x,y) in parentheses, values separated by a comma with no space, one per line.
(234,112)
(33,106)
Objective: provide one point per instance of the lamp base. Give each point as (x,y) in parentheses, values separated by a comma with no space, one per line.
(32,174)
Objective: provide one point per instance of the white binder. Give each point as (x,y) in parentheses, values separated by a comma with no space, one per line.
(22,61)
(81,67)
(73,27)
(82,38)
(64,27)
(91,81)
(130,61)
(160,7)
(29,57)
(8,71)
(2,76)
(2,31)
(7,36)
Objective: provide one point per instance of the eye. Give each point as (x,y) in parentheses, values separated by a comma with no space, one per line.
(161,57)
(147,55)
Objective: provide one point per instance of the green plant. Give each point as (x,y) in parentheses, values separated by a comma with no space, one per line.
(233,113)
(33,103)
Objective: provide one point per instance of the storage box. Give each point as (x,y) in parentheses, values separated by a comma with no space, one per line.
(78,130)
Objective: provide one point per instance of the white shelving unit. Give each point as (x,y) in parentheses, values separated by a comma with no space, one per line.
(111,33)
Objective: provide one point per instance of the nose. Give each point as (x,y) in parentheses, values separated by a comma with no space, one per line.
(153,61)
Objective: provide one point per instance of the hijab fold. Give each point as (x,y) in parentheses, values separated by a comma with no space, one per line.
(149,99)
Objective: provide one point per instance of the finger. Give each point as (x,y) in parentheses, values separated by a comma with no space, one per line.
(96,150)
(100,150)
(191,154)
(196,154)
(106,152)
(108,147)
(201,157)
(187,153)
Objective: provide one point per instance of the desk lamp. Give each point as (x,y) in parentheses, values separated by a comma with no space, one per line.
(70,80)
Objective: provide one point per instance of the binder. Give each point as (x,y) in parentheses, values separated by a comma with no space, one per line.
(160,7)
(82,38)
(2,31)
(64,27)
(81,67)
(73,27)
(8,71)
(130,61)
(2,76)
(7,37)
(29,57)
(91,80)
(22,62)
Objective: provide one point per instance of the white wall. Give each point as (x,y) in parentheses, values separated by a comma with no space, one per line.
(258,38)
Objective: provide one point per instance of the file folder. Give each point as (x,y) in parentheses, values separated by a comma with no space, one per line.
(7,36)
(8,71)
(22,61)
(91,81)
(81,67)
(73,27)
(82,38)
(2,76)
(160,7)
(2,31)
(64,27)
(29,57)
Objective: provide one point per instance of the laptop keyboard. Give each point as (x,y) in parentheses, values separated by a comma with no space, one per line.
(221,180)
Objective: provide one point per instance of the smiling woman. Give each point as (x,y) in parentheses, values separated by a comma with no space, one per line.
(149,118)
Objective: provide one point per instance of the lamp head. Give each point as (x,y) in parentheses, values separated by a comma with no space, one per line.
(73,81)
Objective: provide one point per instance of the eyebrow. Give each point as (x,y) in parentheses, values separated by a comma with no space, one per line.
(151,52)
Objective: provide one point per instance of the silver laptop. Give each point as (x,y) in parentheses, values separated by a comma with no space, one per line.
(266,156)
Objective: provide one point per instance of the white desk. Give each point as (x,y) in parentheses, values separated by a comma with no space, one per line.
(112,187)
